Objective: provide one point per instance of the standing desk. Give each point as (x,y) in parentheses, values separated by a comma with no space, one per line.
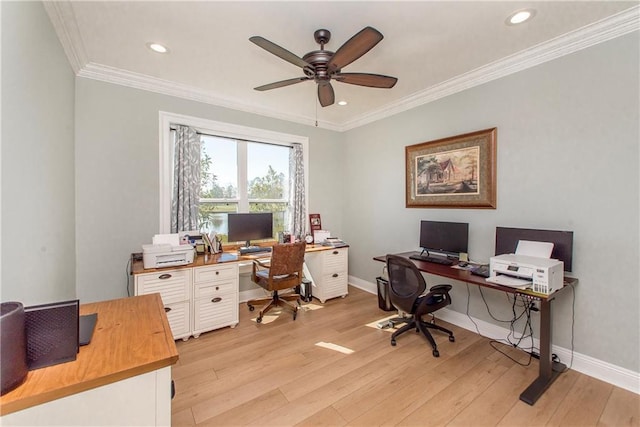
(548,369)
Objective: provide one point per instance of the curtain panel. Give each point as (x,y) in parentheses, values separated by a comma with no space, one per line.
(297,217)
(186,180)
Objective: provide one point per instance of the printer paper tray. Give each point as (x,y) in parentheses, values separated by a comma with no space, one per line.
(511,282)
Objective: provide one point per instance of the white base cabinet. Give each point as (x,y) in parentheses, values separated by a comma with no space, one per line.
(215,297)
(329,270)
(196,299)
(174,286)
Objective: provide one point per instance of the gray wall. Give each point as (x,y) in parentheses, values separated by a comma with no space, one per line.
(38,212)
(117,186)
(567,160)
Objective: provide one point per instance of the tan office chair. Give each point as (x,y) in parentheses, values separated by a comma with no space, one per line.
(284,271)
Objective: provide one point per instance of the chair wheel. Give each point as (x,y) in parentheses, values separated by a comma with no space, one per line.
(259,320)
(436,353)
(251,308)
(393,343)
(452,338)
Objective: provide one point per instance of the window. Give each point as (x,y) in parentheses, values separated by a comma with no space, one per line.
(242,170)
(261,186)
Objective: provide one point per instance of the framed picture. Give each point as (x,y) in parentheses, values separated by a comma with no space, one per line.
(454,172)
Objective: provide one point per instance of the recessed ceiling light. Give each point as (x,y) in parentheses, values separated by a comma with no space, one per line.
(157,47)
(342,102)
(520,16)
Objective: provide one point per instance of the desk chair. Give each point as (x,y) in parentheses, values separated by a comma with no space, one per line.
(284,271)
(406,291)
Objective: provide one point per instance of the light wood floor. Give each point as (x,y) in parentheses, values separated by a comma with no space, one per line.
(275,374)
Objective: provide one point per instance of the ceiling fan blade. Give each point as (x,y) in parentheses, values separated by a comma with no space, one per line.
(279,51)
(354,48)
(364,79)
(325,94)
(282,83)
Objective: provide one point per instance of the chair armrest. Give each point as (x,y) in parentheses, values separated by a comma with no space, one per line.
(264,263)
(440,289)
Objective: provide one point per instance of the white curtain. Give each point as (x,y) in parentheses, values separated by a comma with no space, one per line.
(297,217)
(186,180)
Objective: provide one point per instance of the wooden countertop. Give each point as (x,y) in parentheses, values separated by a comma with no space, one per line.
(132,337)
(214,259)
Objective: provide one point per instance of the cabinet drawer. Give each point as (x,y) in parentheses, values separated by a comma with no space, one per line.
(213,274)
(334,260)
(173,285)
(214,289)
(212,313)
(179,316)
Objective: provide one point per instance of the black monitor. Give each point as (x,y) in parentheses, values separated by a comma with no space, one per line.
(250,226)
(449,238)
(507,240)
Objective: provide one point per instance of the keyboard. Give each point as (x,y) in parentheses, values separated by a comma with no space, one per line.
(254,250)
(436,260)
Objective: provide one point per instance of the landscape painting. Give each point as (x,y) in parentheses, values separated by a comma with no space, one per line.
(448,172)
(458,171)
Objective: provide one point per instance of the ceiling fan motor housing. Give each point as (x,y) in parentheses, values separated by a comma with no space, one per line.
(319,60)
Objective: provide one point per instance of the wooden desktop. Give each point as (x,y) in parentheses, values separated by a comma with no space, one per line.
(548,369)
(123,377)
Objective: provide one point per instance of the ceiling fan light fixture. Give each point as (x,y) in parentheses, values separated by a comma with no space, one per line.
(158,48)
(520,16)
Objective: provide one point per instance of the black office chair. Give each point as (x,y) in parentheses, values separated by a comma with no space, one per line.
(406,291)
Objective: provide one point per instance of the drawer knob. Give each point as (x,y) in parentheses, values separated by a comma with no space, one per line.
(167,309)
(217,288)
(216,299)
(336,252)
(217,272)
(335,274)
(164,276)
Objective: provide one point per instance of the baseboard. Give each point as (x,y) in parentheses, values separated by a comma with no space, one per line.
(607,372)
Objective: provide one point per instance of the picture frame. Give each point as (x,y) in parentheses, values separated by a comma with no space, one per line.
(453,172)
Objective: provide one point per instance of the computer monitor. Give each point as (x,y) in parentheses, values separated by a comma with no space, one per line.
(250,226)
(507,240)
(449,238)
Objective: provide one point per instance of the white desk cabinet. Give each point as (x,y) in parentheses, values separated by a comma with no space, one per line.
(196,299)
(215,297)
(174,286)
(329,269)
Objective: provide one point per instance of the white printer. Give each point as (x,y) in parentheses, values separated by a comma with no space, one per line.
(166,251)
(166,255)
(543,275)
(530,267)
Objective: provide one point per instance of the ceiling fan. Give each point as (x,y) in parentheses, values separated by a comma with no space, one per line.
(322,65)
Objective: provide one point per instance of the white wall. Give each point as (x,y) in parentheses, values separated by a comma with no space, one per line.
(38,212)
(567,159)
(117,190)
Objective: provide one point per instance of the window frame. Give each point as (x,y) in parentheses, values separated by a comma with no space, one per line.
(227,130)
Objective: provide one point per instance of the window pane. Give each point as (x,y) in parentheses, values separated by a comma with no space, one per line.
(280,214)
(267,171)
(219,168)
(213,217)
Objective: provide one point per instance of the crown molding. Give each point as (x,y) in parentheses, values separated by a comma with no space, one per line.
(66,27)
(63,19)
(609,28)
(121,77)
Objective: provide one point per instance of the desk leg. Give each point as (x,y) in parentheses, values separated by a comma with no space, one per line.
(549,370)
